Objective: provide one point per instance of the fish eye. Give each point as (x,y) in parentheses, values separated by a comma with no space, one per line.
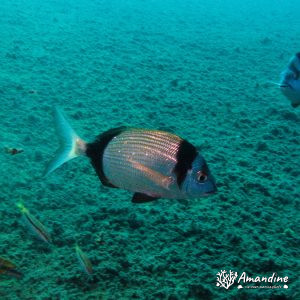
(201,176)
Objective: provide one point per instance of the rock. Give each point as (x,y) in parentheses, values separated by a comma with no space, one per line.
(198,291)
(38,156)
(134,222)
(261,146)
(174,82)
(288,115)
(266,41)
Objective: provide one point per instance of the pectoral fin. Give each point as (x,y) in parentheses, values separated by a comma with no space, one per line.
(153,175)
(142,198)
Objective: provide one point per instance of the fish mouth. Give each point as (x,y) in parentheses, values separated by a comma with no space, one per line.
(214,187)
(211,192)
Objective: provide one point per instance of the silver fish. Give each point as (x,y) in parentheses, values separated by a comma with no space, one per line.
(84,261)
(290,81)
(34,224)
(151,163)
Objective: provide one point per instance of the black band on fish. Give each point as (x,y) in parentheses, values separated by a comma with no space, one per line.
(298,55)
(185,157)
(96,149)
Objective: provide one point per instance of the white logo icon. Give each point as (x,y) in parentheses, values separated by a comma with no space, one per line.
(226,280)
(285,286)
(240,286)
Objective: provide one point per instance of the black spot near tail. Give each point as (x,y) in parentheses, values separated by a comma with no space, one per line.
(185,157)
(96,149)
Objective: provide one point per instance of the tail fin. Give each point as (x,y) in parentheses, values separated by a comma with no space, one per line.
(71,145)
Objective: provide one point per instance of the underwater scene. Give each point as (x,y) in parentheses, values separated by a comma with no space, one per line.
(149,149)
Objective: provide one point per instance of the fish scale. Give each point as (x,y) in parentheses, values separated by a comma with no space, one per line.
(153,149)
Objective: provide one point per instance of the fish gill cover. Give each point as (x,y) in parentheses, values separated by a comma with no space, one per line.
(199,69)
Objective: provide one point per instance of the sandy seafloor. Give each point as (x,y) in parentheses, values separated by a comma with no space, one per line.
(196,68)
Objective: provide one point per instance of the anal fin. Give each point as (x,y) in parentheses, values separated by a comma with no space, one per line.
(142,198)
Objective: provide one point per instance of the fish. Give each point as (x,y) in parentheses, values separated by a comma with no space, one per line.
(13,151)
(8,268)
(84,261)
(35,225)
(290,81)
(150,163)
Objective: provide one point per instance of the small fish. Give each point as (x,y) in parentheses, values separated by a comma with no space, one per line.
(151,163)
(34,224)
(13,151)
(290,81)
(84,261)
(8,268)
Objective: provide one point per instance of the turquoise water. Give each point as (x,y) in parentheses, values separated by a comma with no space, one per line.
(199,69)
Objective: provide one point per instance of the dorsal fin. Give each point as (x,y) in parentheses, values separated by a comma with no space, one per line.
(96,149)
(185,157)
